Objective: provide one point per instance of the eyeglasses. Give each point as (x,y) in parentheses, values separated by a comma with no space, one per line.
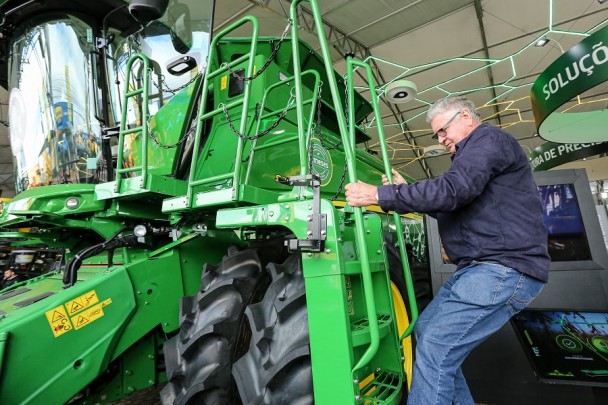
(442,131)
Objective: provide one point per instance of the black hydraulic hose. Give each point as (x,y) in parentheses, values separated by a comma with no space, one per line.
(71,268)
(69,278)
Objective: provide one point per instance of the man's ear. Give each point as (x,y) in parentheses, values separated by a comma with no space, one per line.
(466,115)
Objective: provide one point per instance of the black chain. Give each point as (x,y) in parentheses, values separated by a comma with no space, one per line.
(345,162)
(341,182)
(266,131)
(346,102)
(175,145)
(319,134)
(317,130)
(268,61)
(258,107)
(175,90)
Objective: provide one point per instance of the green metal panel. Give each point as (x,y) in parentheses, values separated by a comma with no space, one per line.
(128,302)
(39,335)
(136,187)
(169,127)
(51,200)
(137,369)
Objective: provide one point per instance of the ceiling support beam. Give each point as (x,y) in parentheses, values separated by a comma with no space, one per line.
(484,40)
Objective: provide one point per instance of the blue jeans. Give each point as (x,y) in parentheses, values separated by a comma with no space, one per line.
(472,305)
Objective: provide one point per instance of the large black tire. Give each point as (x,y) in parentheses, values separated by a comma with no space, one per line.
(199,359)
(277,368)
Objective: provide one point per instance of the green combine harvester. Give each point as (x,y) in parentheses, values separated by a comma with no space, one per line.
(194,184)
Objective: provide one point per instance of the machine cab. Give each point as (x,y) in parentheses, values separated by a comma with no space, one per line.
(65,73)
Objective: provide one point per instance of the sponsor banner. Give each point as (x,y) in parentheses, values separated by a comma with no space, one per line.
(583,67)
(551,154)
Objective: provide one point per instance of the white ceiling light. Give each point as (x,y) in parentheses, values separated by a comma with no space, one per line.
(400,91)
(434,150)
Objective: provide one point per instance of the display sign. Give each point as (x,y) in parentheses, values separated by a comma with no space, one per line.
(583,67)
(564,222)
(565,346)
(551,154)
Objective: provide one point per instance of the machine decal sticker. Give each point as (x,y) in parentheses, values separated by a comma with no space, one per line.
(59,321)
(82,302)
(223,82)
(76,313)
(90,315)
(322,164)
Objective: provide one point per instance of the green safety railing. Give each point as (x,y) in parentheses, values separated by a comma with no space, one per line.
(350,62)
(142,130)
(370,304)
(210,74)
(348,139)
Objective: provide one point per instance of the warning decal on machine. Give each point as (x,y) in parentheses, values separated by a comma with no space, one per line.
(76,313)
(59,321)
(89,315)
(82,302)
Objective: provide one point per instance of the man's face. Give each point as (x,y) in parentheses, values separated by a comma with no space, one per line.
(451,127)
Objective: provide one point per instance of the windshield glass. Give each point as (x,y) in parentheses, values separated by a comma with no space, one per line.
(55,104)
(183,32)
(55,136)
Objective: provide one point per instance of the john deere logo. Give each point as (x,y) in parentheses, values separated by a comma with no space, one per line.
(321,162)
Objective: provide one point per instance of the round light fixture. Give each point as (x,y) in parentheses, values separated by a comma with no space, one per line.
(72,202)
(400,91)
(434,150)
(140,231)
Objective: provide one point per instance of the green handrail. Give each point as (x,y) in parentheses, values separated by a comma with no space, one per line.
(370,303)
(142,129)
(303,142)
(350,62)
(210,74)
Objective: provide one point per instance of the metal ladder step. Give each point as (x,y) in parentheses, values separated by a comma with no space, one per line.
(360,329)
(382,389)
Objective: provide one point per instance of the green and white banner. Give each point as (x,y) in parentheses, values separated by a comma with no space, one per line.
(583,67)
(551,154)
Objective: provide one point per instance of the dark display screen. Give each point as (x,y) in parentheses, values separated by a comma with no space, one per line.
(564,222)
(568,347)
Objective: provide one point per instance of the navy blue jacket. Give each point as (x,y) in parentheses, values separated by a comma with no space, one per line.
(487,204)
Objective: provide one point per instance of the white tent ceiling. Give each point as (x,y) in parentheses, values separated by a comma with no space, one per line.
(482,48)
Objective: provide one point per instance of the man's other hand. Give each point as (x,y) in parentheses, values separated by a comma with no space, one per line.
(397,178)
(361,194)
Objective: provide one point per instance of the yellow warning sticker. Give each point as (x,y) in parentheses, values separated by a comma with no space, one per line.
(90,315)
(59,321)
(224,83)
(76,313)
(82,302)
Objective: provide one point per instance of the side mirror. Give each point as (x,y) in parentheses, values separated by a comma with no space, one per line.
(145,11)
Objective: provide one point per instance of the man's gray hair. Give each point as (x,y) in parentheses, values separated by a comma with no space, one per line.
(452,103)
